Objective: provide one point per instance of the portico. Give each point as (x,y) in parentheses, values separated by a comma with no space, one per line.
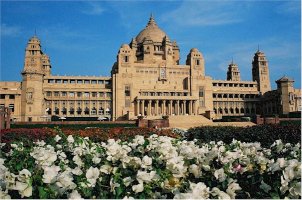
(160,107)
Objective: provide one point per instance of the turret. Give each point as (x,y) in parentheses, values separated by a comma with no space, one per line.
(233,73)
(260,72)
(286,90)
(196,61)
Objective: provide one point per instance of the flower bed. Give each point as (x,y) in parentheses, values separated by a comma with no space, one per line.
(96,134)
(149,167)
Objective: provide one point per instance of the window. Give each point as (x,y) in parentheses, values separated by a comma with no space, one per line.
(71,94)
(86,111)
(93,111)
(127,90)
(126,59)
(86,94)
(87,81)
(71,111)
(197,62)
(64,94)
(107,82)
(72,81)
(201,91)
(58,81)
(65,81)
(94,94)
(108,95)
(51,81)
(93,81)
(79,94)
(79,81)
(11,107)
(30,119)
(11,96)
(2,96)
(101,94)
(101,82)
(48,94)
(56,94)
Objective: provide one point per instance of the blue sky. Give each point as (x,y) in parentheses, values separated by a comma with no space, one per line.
(83,38)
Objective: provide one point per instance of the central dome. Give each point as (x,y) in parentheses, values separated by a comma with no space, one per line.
(152,31)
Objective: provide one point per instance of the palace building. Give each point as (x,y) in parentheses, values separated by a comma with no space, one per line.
(146,80)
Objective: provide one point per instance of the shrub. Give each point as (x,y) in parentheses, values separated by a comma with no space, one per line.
(266,134)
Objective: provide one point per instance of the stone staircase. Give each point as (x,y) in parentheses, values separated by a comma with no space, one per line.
(188,121)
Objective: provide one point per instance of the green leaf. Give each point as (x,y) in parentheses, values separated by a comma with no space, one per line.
(42,193)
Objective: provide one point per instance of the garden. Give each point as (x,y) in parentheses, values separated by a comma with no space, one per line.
(256,162)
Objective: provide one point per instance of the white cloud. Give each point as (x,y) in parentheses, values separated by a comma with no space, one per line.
(10,30)
(206,13)
(93,8)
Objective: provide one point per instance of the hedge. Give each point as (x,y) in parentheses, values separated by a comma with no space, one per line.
(266,134)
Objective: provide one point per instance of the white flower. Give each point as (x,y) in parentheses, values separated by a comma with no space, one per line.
(23,184)
(220,175)
(70,139)
(232,188)
(77,160)
(220,194)
(96,160)
(197,191)
(146,177)
(44,156)
(50,173)
(138,188)
(57,138)
(195,170)
(65,180)
(106,169)
(126,197)
(92,175)
(127,181)
(113,185)
(146,161)
(4,195)
(75,195)
(77,171)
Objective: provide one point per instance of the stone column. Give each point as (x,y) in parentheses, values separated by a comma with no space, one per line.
(191,107)
(137,107)
(143,107)
(149,108)
(156,108)
(195,107)
(164,107)
(177,107)
(170,109)
(185,107)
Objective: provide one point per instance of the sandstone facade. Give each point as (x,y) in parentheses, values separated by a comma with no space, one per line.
(146,80)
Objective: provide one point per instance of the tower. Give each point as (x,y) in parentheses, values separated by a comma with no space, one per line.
(233,73)
(260,72)
(286,90)
(36,66)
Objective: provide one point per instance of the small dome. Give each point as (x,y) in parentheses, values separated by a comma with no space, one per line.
(194,50)
(285,79)
(34,39)
(126,46)
(152,32)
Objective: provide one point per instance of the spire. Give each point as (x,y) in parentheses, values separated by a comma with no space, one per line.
(151,21)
